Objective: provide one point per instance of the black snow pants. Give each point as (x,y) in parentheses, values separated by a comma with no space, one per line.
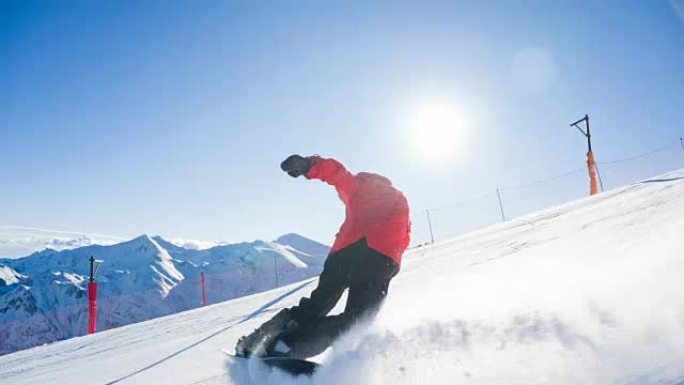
(357,267)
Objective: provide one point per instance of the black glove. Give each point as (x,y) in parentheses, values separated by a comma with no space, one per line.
(296,165)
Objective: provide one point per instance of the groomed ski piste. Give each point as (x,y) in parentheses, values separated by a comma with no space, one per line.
(590,292)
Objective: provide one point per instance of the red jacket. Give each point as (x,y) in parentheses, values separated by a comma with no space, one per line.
(374,209)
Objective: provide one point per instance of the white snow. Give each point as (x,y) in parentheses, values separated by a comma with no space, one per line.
(590,292)
(72,279)
(8,276)
(285,252)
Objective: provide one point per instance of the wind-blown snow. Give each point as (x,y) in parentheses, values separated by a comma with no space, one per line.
(585,293)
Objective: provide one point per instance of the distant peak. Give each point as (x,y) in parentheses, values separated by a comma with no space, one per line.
(294,238)
(45,251)
(145,244)
(143,238)
(291,237)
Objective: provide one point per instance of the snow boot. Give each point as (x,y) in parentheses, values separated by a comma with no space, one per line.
(260,342)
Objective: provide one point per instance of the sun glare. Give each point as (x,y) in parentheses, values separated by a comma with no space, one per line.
(436,130)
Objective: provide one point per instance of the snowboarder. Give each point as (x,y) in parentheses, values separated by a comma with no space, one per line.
(366,255)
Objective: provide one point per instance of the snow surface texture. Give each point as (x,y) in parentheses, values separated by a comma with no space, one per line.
(43,297)
(585,293)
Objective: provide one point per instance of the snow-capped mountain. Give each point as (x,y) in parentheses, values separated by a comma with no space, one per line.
(43,297)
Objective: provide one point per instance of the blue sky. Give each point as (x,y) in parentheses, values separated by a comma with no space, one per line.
(164,117)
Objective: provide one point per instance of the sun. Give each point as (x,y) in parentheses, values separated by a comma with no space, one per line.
(436,130)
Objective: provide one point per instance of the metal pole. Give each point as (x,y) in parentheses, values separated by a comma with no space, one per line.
(275,261)
(503,216)
(92,269)
(204,292)
(586,119)
(432,236)
(591,164)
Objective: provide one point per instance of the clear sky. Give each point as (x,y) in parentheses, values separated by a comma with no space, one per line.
(166,117)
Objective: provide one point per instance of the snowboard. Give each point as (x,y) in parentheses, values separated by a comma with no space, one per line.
(292,366)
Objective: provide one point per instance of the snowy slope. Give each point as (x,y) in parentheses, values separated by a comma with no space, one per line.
(586,293)
(43,297)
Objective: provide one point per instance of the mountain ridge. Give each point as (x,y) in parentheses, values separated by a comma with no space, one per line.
(43,296)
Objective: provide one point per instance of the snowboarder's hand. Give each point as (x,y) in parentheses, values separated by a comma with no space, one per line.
(296,165)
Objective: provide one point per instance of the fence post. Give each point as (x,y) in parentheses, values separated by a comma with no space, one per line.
(503,216)
(275,262)
(432,236)
(204,291)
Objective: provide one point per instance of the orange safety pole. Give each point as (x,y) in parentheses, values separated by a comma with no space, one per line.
(591,165)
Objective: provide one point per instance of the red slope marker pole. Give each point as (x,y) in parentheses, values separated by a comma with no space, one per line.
(92,298)
(92,307)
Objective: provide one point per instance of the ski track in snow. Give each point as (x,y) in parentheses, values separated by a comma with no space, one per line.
(585,293)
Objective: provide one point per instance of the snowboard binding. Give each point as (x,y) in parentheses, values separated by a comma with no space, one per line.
(265,341)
